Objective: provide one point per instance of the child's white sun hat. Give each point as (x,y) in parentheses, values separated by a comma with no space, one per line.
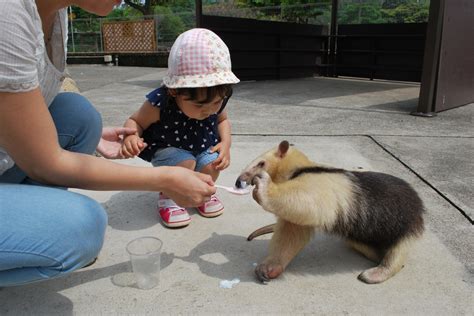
(199,58)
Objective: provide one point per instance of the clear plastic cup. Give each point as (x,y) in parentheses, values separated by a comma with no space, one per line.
(145,253)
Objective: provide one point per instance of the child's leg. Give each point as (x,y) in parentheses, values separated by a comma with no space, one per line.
(173,215)
(188,164)
(204,162)
(210,170)
(171,156)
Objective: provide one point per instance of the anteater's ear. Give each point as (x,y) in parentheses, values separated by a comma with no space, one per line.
(283,148)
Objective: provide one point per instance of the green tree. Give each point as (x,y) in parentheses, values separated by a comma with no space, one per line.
(391,4)
(124,13)
(169,25)
(408,13)
(88,22)
(303,11)
(362,12)
(84,21)
(145,7)
(299,11)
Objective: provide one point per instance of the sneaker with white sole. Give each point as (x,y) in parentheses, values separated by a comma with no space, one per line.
(212,208)
(172,215)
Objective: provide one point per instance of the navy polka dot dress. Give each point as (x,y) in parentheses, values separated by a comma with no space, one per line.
(175,129)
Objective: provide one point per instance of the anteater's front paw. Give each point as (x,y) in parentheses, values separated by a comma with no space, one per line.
(267,271)
(260,178)
(260,181)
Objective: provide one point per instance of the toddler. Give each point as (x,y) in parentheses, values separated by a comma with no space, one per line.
(184,122)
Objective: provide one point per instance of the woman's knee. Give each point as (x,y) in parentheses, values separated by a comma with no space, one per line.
(74,116)
(88,229)
(67,232)
(83,231)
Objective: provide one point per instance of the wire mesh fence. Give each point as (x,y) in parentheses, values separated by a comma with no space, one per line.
(87,35)
(137,34)
(316,13)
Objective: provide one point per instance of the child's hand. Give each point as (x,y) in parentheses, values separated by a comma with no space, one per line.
(132,146)
(111,142)
(223,160)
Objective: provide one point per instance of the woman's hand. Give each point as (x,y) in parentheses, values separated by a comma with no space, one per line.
(188,188)
(110,143)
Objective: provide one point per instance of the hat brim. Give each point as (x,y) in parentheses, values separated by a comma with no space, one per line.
(200,81)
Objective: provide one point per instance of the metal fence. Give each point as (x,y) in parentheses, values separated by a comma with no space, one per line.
(87,35)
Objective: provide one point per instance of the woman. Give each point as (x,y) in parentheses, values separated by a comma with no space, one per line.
(46,142)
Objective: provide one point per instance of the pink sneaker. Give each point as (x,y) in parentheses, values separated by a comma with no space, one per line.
(172,214)
(212,208)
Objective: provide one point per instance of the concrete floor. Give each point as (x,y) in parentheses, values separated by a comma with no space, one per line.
(354,124)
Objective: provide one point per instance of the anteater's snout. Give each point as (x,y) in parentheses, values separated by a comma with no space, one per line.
(239,183)
(243,180)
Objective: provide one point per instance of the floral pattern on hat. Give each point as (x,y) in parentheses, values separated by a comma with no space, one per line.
(199,58)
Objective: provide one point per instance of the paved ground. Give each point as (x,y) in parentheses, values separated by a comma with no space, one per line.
(346,123)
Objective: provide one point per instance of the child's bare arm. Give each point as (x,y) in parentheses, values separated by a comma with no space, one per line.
(223,147)
(146,115)
(223,127)
(140,120)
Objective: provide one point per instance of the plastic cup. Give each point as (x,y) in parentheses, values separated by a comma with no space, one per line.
(145,255)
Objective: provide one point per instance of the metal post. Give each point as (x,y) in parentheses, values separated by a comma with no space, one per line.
(429,75)
(72,29)
(198,13)
(100,36)
(333,39)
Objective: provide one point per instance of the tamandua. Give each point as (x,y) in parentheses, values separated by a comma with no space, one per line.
(378,214)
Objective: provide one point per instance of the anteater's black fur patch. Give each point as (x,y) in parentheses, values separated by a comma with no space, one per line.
(385,208)
(315,169)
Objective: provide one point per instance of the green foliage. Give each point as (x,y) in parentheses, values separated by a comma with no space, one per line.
(299,11)
(349,11)
(175,16)
(185,10)
(123,13)
(383,11)
(360,13)
(83,21)
(169,24)
(303,11)
(407,13)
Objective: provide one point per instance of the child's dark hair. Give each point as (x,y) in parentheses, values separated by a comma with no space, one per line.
(224,91)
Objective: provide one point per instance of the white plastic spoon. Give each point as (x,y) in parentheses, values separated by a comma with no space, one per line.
(234,190)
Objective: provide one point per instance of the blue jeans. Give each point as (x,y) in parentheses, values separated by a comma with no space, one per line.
(171,156)
(47,232)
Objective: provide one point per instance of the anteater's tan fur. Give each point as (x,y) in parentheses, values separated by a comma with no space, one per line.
(379,215)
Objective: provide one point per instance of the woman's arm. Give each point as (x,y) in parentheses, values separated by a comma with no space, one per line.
(28,134)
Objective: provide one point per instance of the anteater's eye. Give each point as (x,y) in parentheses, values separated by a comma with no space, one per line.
(261,164)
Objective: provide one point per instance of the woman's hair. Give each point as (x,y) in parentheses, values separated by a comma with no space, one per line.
(209,93)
